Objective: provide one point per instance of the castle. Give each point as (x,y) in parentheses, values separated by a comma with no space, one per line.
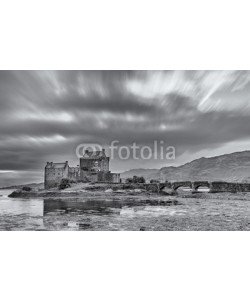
(94,167)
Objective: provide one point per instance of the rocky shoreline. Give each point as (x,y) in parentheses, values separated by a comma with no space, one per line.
(24,194)
(80,190)
(117,192)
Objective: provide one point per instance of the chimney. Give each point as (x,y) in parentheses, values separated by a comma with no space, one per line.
(103,151)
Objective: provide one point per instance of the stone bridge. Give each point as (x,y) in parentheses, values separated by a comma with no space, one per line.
(214,187)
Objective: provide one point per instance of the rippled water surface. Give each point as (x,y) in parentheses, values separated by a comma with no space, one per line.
(221,212)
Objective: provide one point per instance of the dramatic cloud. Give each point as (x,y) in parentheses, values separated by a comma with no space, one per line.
(46,114)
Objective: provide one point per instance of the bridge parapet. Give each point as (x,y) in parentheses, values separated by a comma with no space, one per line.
(231,187)
(221,187)
(215,186)
(243,187)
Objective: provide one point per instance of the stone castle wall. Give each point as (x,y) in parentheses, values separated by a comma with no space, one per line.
(53,176)
(91,169)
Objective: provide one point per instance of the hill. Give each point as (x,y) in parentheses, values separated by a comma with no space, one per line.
(32,185)
(234,167)
(139,172)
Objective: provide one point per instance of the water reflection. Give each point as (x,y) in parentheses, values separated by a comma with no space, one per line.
(79,214)
(77,206)
(97,206)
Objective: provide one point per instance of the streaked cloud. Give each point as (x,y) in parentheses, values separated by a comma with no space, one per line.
(45,114)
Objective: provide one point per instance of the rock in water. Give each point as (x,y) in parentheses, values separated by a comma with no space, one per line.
(168,192)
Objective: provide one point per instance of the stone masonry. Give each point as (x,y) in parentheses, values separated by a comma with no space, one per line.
(94,167)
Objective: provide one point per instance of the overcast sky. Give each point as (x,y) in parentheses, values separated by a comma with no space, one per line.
(46,114)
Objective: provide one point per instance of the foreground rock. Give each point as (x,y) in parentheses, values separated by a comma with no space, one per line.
(168,192)
(43,194)
(19,194)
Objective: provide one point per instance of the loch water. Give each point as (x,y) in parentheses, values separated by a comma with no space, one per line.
(225,212)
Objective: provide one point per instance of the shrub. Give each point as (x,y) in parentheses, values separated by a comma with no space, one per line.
(135,179)
(129,180)
(64,184)
(154,181)
(26,188)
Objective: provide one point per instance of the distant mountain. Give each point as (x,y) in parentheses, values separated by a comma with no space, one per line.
(32,185)
(229,167)
(139,172)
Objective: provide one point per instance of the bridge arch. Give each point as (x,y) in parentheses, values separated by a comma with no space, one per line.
(198,184)
(164,185)
(176,185)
